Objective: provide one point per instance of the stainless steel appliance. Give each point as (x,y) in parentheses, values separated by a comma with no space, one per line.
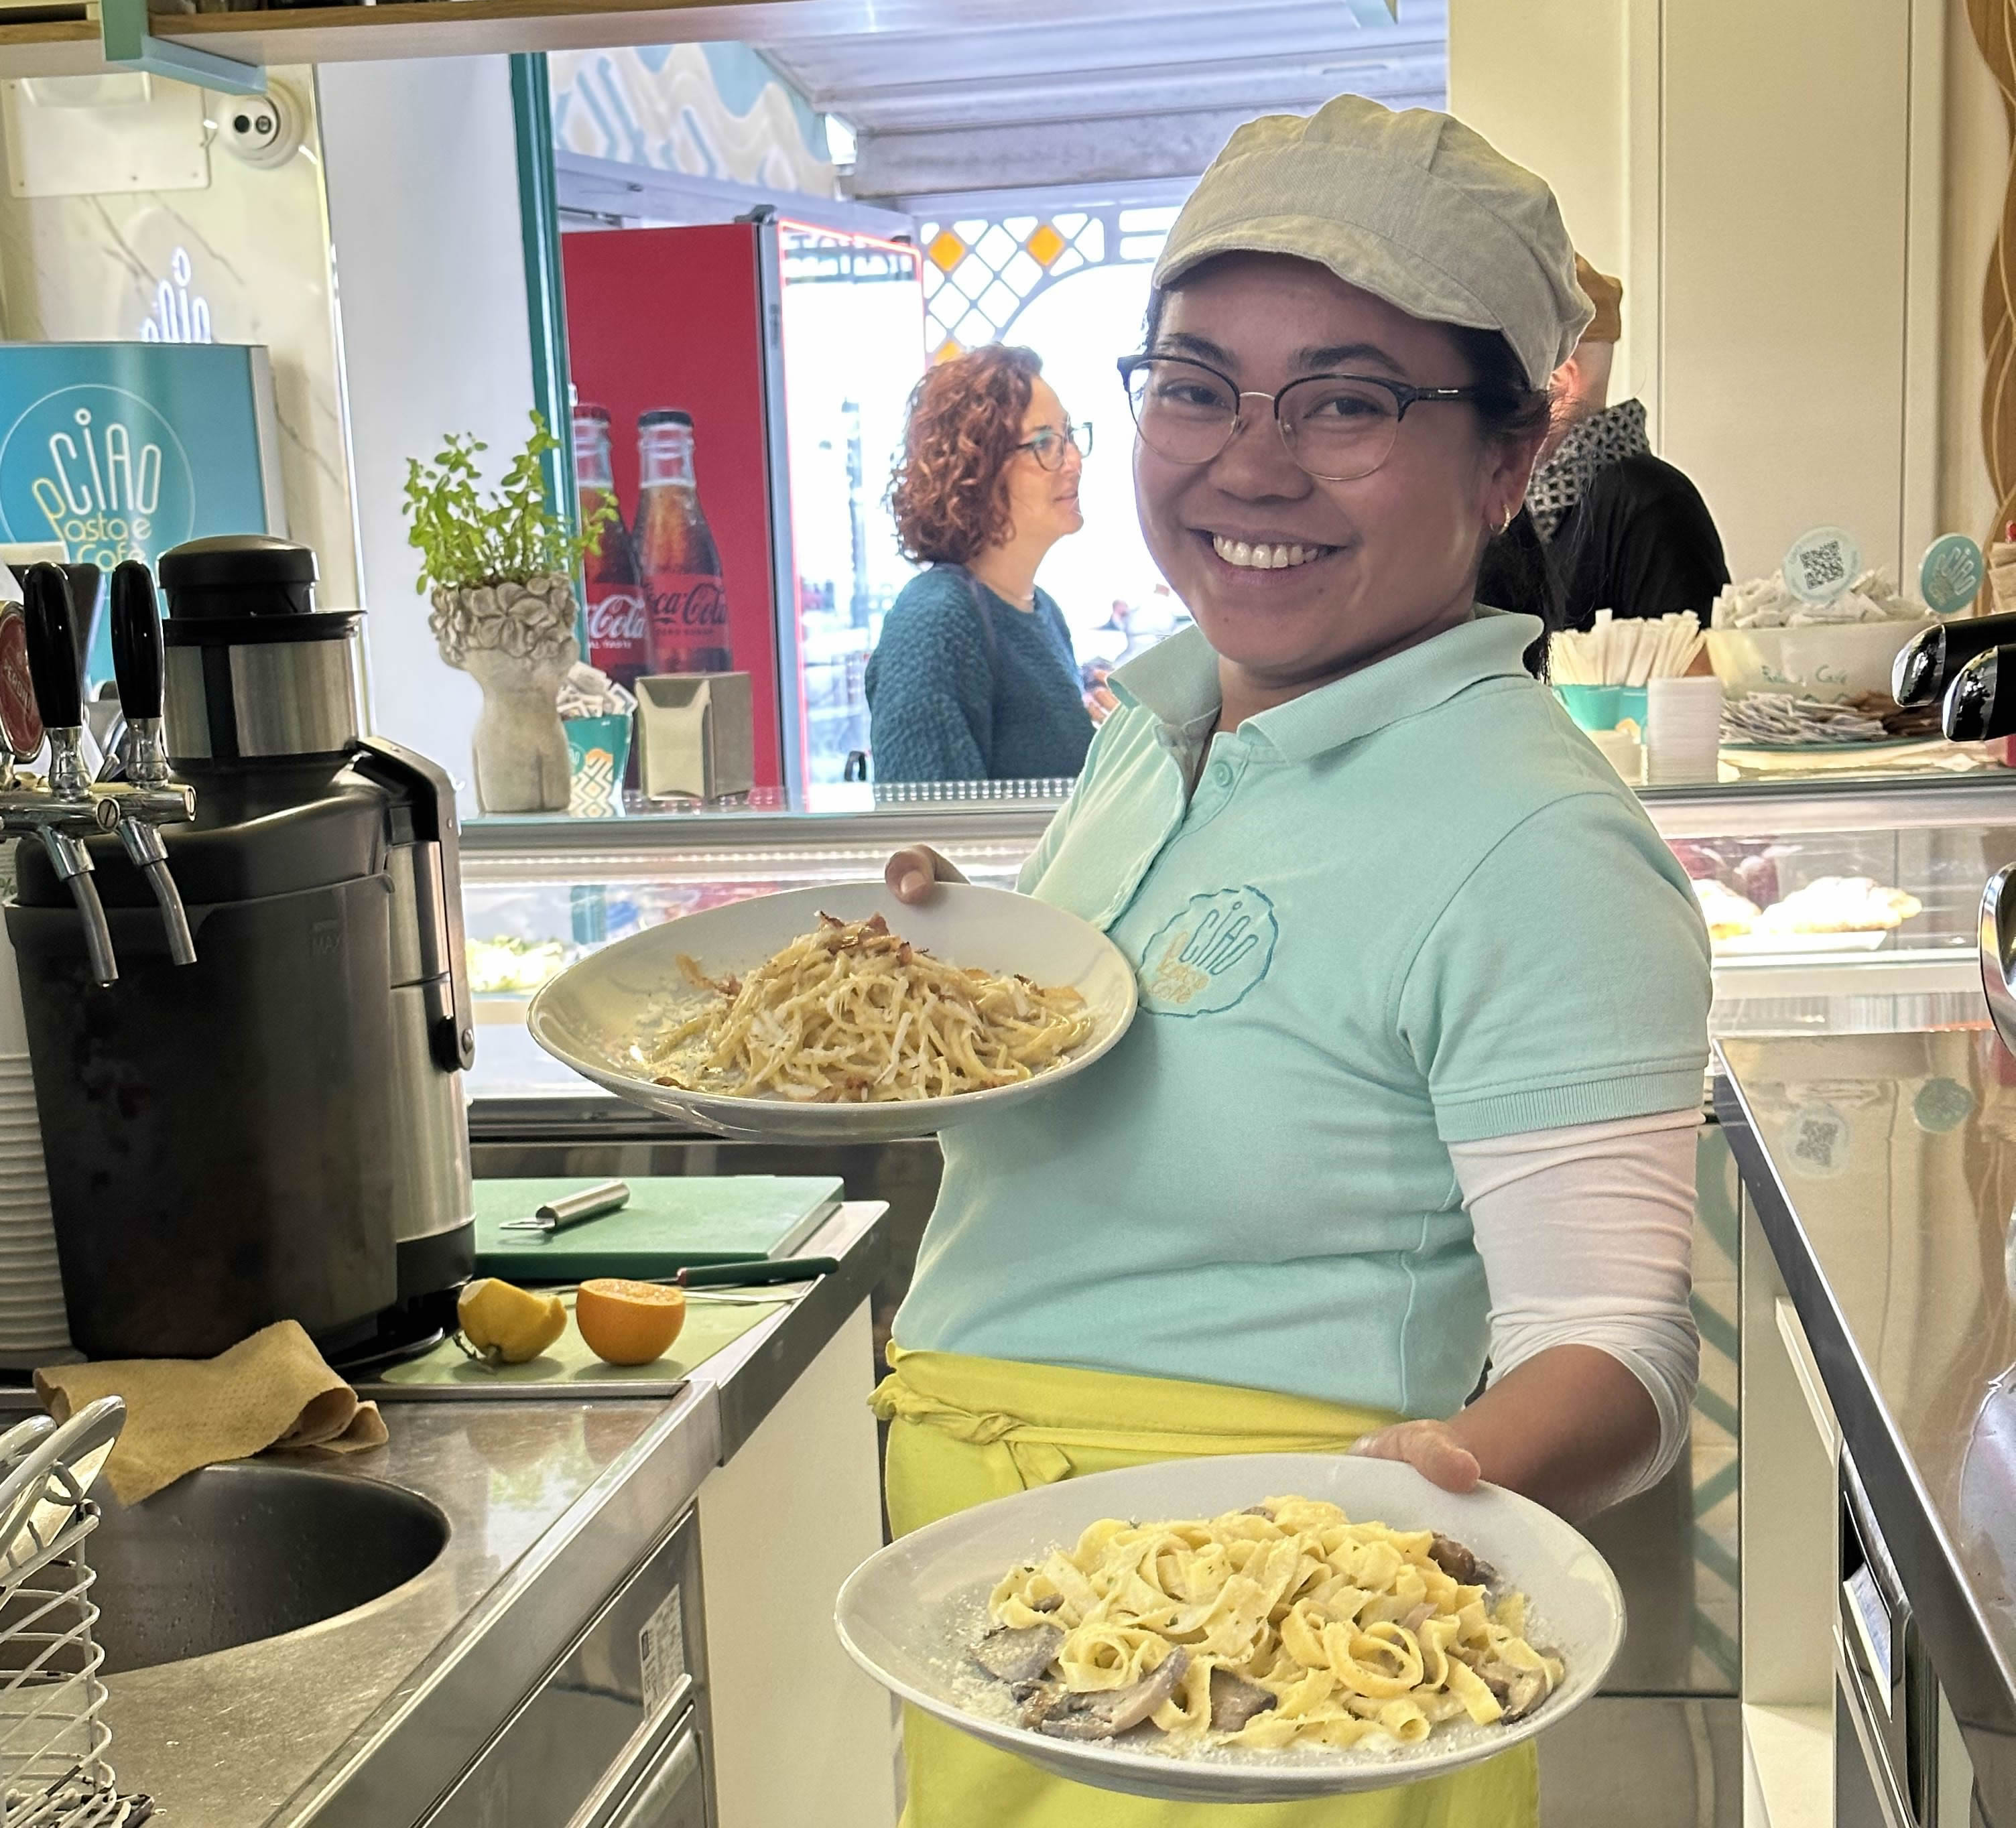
(615,1736)
(1898,1756)
(274,1130)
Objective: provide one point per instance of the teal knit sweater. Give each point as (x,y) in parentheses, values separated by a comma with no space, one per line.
(964,686)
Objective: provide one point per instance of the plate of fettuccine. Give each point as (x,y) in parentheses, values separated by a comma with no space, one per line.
(839,1013)
(1251,1628)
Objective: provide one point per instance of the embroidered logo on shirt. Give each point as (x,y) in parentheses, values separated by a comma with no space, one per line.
(1208,957)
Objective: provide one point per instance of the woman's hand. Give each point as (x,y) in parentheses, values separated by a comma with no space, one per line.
(1100,702)
(1568,1427)
(915,872)
(1430,1448)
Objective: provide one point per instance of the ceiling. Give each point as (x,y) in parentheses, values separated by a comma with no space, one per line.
(1141,92)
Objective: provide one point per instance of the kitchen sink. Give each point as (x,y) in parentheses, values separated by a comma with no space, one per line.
(232,1554)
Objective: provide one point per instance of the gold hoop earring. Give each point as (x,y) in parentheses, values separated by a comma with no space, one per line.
(1505,526)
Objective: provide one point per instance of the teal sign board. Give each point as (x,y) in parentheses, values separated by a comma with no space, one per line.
(118,451)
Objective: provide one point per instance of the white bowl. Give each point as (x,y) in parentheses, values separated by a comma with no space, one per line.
(589,1015)
(1829,665)
(900,1613)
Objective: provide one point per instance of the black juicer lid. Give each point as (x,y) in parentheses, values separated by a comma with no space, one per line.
(241,587)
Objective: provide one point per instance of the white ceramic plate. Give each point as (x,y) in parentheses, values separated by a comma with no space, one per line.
(589,1015)
(900,1613)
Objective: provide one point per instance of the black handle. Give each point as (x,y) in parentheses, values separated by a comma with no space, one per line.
(136,641)
(1976,710)
(1929,663)
(52,650)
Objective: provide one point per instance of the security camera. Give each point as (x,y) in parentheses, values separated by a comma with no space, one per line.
(262,131)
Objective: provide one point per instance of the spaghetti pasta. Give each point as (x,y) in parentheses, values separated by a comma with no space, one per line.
(851,1013)
(1284,1626)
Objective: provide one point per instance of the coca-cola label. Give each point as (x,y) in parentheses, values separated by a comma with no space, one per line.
(689,602)
(616,618)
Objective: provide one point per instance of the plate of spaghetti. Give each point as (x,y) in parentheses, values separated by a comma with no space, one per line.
(840,1013)
(1257,1628)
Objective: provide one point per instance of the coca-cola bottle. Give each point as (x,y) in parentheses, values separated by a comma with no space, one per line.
(688,609)
(617,625)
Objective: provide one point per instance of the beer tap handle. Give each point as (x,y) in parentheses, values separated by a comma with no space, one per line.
(52,651)
(53,668)
(136,660)
(70,806)
(136,641)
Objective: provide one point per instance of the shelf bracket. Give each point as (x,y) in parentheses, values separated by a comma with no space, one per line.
(122,26)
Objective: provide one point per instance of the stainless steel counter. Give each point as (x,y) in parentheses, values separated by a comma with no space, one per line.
(1882,1169)
(364,1721)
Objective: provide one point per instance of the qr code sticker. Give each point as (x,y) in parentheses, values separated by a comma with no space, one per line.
(1816,1140)
(1822,565)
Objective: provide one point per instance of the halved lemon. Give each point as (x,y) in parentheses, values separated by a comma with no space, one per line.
(505,1323)
(628,1322)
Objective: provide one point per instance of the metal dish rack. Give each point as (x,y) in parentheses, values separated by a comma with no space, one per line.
(54,1771)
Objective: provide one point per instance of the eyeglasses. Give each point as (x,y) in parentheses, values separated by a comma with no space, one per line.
(1338,427)
(1047,447)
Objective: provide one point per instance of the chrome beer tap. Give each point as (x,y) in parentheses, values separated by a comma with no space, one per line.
(63,811)
(138,776)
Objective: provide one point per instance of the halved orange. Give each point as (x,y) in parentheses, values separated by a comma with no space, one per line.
(628,1322)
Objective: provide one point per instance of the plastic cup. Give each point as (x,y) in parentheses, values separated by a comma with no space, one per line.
(598,753)
(1593,707)
(1683,731)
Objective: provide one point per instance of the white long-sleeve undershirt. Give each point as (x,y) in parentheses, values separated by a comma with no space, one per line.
(1587,1237)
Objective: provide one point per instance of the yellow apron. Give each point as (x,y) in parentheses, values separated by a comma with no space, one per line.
(965,1430)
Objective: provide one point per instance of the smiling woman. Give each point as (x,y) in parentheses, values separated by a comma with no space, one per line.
(1342,414)
(973,677)
(1362,1141)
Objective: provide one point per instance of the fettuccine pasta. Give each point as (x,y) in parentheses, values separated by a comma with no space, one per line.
(852,1013)
(1285,1626)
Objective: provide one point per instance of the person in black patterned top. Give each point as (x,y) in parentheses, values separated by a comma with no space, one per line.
(1627,532)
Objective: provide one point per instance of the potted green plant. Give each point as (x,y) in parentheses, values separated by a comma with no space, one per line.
(499,568)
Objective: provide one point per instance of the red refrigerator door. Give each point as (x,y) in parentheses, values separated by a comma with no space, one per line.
(661,319)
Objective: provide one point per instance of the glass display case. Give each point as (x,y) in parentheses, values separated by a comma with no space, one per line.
(1838,902)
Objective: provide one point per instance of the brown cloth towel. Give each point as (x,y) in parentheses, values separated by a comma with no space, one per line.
(272,1390)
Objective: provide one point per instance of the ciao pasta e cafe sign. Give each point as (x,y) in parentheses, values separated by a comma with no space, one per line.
(119,451)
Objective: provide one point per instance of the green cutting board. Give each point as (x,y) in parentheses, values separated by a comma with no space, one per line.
(672,1221)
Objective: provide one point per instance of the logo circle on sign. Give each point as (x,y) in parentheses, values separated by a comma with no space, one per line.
(1950,574)
(1208,957)
(99,470)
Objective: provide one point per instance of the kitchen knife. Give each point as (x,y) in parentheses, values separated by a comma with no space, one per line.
(572,1208)
(755,1271)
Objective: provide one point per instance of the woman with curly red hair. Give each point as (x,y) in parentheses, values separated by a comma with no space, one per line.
(973,677)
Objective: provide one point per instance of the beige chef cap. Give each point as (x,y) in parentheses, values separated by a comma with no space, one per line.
(1415,207)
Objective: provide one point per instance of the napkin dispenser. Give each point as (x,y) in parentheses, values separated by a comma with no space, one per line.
(697,733)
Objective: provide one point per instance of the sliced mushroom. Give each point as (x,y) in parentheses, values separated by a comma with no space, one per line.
(1050,1602)
(1108,1715)
(1038,1699)
(1519,1691)
(1458,1563)
(1018,1655)
(1419,1617)
(1234,1700)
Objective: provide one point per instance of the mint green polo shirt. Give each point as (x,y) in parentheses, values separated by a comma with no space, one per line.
(1413,908)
